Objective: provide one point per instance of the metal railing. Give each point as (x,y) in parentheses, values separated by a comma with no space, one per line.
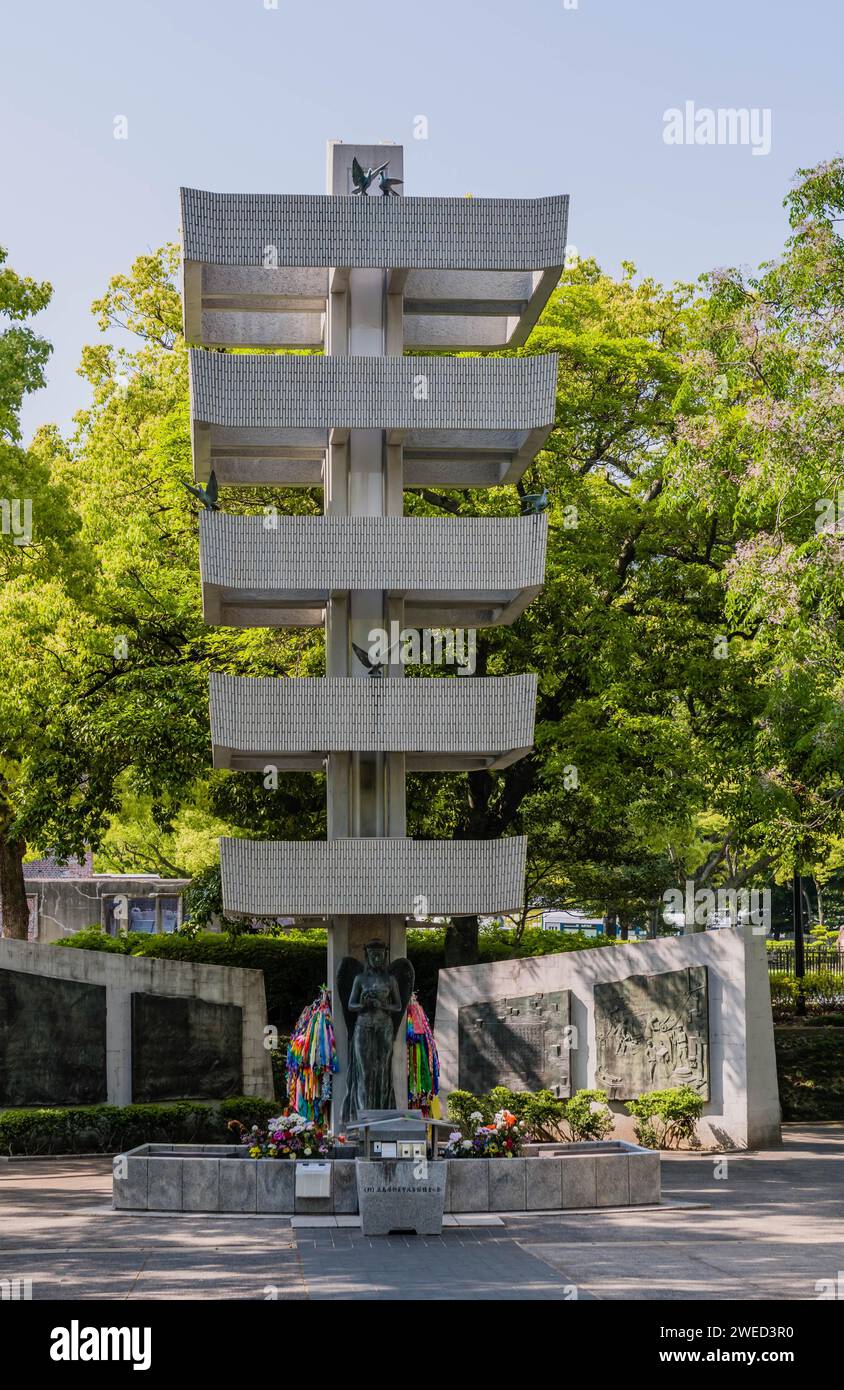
(817,958)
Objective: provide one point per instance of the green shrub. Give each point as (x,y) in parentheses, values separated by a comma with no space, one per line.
(665,1118)
(96,938)
(588,1116)
(462,1107)
(468,1111)
(823,991)
(540,1111)
(278,1060)
(110,1129)
(810,1071)
(250,1110)
(547,1119)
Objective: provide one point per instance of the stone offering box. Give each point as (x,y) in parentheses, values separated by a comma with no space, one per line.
(222,1178)
(401,1195)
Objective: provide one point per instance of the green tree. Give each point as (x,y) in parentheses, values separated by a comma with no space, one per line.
(40,561)
(23,354)
(762,450)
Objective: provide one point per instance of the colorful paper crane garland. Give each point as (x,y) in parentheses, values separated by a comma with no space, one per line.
(311,1060)
(423,1067)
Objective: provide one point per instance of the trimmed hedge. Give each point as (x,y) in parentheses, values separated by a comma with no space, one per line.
(110,1129)
(823,991)
(294,965)
(810,1071)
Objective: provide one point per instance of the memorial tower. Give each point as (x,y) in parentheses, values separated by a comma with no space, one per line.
(371,280)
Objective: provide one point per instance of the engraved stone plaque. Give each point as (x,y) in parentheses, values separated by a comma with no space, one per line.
(652,1033)
(52,1041)
(185,1049)
(522,1043)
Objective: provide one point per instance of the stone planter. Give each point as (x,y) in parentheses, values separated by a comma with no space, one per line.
(550,1177)
(394,1195)
(506,1183)
(276,1179)
(468,1184)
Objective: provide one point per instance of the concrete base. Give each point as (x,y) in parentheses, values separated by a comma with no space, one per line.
(222,1178)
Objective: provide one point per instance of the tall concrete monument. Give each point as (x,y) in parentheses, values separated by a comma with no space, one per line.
(370,282)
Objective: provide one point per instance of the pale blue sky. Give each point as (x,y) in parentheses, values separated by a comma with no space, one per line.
(523,98)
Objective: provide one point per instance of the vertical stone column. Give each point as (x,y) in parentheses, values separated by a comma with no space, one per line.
(366,795)
(118,1044)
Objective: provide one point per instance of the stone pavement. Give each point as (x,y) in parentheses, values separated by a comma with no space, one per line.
(772,1226)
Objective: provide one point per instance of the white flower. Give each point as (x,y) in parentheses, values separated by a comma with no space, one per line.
(467,1144)
(454,1137)
(477,1117)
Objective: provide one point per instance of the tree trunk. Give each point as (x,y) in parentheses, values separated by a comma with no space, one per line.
(521,924)
(610,925)
(461,941)
(13,904)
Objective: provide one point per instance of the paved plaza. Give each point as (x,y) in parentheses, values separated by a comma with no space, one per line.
(770,1227)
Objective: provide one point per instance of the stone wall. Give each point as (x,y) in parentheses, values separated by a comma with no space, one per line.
(733,1066)
(74,1023)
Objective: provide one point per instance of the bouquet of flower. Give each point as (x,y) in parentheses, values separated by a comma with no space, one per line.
(287,1136)
(502,1139)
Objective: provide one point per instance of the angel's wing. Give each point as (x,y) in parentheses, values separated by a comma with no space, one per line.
(213,487)
(404,975)
(362,656)
(373,667)
(347,972)
(380,169)
(357,173)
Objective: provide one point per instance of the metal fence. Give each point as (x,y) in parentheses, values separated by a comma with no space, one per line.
(817,958)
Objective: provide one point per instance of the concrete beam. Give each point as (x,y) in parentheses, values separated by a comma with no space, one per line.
(372,876)
(454,571)
(439,724)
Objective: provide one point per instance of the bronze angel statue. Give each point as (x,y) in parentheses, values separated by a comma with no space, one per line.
(374,996)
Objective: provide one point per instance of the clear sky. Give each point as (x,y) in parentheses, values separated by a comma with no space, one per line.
(522,98)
